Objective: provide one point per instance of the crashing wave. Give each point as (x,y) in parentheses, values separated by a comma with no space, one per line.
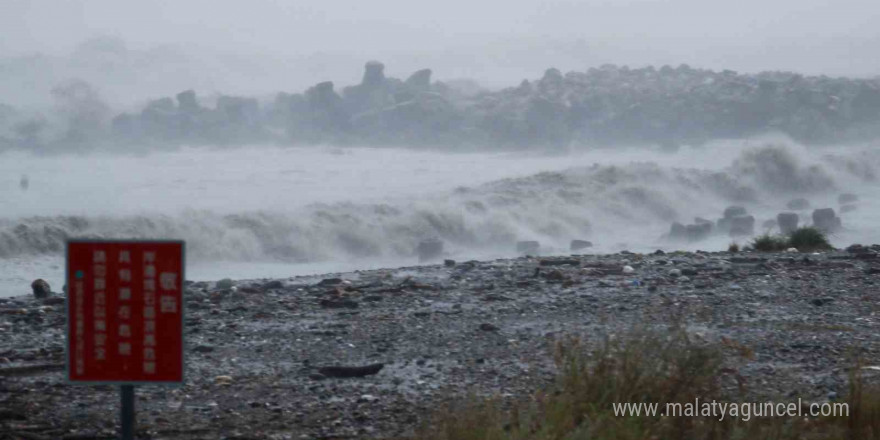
(552,207)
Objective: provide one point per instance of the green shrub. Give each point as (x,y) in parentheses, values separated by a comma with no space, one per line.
(734,247)
(770,243)
(809,240)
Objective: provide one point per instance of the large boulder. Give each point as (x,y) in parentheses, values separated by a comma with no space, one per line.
(847,198)
(322,96)
(41,288)
(725,223)
(690,233)
(421,80)
(326,112)
(826,220)
(698,231)
(788,222)
(577,245)
(798,204)
(743,225)
(528,247)
(187,101)
(428,250)
(374,74)
(734,211)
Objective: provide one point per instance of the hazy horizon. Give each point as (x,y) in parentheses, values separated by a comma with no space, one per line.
(269,46)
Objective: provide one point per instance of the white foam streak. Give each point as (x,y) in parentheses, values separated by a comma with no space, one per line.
(270,212)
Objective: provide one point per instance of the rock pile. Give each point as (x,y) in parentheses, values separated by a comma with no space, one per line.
(611,104)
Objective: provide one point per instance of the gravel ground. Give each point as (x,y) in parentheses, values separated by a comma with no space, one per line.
(261,354)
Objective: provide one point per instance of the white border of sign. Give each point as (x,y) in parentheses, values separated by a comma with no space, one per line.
(182,314)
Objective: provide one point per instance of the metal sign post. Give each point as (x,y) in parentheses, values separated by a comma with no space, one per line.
(127,412)
(125,316)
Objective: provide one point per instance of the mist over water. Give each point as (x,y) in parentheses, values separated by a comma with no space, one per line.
(274,212)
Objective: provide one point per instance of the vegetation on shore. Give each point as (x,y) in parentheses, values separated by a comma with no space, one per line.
(805,239)
(646,367)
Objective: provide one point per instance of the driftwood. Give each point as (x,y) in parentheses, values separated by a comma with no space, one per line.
(351,371)
(30,369)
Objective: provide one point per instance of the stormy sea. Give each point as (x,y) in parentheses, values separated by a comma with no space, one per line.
(255,212)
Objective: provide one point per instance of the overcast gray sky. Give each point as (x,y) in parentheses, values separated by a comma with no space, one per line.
(306,25)
(471,37)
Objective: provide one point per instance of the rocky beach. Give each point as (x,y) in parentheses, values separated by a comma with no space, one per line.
(372,354)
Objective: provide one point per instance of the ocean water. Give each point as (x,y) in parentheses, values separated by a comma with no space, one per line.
(260,212)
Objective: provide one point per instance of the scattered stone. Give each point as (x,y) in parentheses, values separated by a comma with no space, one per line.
(555,275)
(818,302)
(486,327)
(339,304)
(858,249)
(53,301)
(560,262)
(367,398)
(628,269)
(223,380)
(204,348)
(274,284)
(348,372)
(674,273)
(330,282)
(449,263)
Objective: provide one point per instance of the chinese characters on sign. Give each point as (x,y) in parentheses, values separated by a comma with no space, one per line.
(125,317)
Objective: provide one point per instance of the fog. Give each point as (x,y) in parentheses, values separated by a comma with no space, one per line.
(283,138)
(264,46)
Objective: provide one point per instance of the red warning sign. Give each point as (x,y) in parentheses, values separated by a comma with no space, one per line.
(125,311)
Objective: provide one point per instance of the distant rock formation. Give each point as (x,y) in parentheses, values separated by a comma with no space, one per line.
(788,222)
(668,107)
(826,220)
